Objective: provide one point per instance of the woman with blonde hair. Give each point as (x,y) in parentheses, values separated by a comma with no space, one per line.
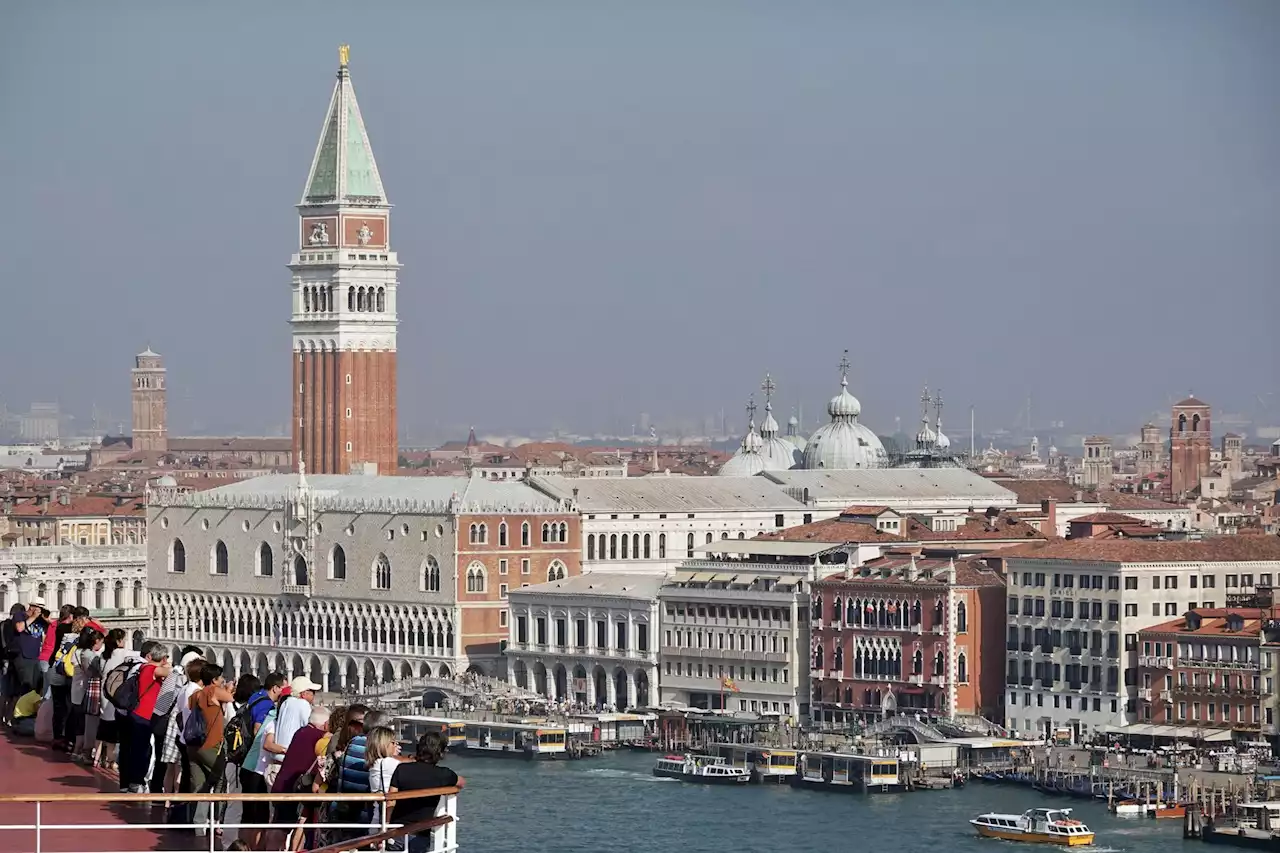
(382,757)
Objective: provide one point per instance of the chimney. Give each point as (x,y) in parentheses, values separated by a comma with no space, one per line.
(1049,507)
(1079,497)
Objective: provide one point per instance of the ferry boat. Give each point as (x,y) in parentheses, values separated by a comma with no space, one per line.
(412,727)
(700,769)
(1037,826)
(516,740)
(839,771)
(765,764)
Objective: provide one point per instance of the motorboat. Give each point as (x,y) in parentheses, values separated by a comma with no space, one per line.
(701,770)
(1035,826)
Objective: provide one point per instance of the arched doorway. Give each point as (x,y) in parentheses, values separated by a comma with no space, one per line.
(388,672)
(642,689)
(521,671)
(622,686)
(540,678)
(562,682)
(602,686)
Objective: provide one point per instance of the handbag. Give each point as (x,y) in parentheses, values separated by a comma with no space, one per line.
(307,779)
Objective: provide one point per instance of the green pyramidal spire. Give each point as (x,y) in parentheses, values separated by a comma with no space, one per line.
(343,170)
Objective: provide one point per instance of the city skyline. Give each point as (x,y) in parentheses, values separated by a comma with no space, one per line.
(567,254)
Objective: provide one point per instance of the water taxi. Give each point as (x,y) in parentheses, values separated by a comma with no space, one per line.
(516,740)
(700,769)
(412,727)
(765,764)
(1037,826)
(838,771)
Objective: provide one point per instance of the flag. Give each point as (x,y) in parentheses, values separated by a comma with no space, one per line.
(726,683)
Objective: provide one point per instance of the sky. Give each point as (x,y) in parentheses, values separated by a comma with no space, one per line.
(609,208)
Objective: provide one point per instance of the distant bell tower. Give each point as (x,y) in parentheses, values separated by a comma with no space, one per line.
(1190,445)
(1151,458)
(1097,467)
(344,302)
(149,430)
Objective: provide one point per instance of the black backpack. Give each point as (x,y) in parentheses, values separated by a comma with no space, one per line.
(121,686)
(238,736)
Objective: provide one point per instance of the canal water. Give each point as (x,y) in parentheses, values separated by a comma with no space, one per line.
(613,805)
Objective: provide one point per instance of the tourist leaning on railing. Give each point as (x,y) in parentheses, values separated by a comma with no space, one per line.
(423,773)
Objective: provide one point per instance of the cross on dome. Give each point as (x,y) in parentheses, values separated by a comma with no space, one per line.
(768,387)
(844,368)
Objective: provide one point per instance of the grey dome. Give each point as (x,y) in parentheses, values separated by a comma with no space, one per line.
(844,443)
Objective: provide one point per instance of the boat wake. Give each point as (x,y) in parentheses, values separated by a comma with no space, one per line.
(630,775)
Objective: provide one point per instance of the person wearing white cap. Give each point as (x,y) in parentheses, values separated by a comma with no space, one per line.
(295,712)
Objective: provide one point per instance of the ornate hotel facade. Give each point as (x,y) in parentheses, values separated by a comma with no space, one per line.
(352,580)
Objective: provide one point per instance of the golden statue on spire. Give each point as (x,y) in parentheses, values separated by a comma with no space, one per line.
(344,54)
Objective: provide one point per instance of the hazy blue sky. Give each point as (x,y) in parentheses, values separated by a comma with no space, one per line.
(605,208)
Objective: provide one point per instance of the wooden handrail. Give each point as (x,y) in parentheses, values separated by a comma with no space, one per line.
(214,798)
(399,832)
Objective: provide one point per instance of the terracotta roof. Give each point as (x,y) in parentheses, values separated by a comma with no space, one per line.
(976,528)
(1125,500)
(90,506)
(1219,549)
(1106,518)
(928,570)
(1190,401)
(864,509)
(1035,491)
(834,531)
(1214,622)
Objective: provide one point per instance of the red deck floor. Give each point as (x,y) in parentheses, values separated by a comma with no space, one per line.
(30,768)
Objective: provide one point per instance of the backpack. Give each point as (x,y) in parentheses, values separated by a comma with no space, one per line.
(63,659)
(121,686)
(238,736)
(195,729)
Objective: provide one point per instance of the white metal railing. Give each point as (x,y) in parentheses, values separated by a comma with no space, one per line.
(443,828)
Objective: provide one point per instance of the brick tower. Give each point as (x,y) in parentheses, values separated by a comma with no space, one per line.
(344,302)
(1190,444)
(149,431)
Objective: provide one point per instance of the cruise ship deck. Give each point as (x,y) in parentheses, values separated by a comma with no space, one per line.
(49,804)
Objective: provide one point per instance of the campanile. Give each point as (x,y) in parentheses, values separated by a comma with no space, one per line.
(344,301)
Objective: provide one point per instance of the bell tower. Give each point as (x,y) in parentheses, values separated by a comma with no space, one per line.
(1190,445)
(149,405)
(344,302)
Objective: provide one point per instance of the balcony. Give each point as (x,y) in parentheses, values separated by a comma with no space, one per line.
(918,680)
(1144,693)
(938,680)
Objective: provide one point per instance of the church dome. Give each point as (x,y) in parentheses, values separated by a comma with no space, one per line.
(844,443)
(926,437)
(944,443)
(778,453)
(747,461)
(844,404)
(793,436)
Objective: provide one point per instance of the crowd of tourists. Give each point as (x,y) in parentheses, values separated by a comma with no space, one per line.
(169,728)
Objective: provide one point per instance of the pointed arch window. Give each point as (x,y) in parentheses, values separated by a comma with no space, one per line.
(301,577)
(177,557)
(221,563)
(838,659)
(817,657)
(962,669)
(524,534)
(564,532)
(382,572)
(556,571)
(473,534)
(475,577)
(431,575)
(937,613)
(502,534)
(483,533)
(917,663)
(962,618)
(338,563)
(546,532)
(939,664)
(266,561)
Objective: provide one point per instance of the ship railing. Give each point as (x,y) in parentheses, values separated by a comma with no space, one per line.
(443,827)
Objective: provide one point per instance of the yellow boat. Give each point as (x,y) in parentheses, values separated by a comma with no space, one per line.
(1035,826)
